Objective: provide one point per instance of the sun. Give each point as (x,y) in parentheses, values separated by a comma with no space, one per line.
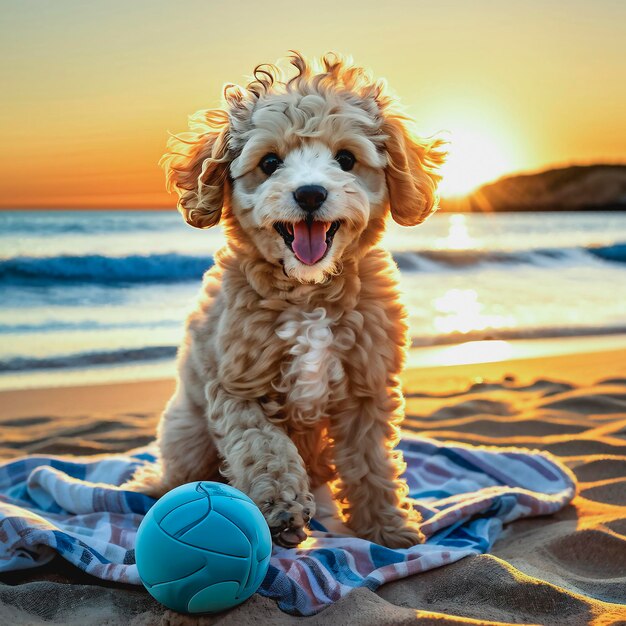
(475,156)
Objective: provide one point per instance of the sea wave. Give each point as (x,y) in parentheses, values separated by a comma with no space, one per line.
(54,326)
(173,267)
(101,269)
(125,356)
(46,223)
(87,359)
(507,334)
(433,260)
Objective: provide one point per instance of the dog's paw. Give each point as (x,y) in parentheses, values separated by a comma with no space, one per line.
(287,520)
(405,536)
(149,480)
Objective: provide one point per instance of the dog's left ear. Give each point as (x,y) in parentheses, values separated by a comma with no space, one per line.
(411,172)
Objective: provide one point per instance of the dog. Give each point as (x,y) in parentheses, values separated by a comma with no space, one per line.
(289,374)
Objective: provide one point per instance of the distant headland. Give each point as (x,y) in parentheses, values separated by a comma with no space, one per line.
(574,188)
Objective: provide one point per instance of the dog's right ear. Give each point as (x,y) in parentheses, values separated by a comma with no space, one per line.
(196,167)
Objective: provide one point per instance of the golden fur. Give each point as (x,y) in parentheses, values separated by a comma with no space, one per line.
(289,375)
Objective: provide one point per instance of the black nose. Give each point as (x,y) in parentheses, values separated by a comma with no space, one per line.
(310,197)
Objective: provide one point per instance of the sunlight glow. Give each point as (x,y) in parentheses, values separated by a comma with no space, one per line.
(475,352)
(458,237)
(459,311)
(475,157)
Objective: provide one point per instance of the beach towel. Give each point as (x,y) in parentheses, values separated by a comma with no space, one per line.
(73,507)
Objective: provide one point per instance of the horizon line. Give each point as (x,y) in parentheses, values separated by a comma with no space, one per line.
(100,206)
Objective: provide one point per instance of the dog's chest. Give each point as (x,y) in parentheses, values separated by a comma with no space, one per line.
(311,365)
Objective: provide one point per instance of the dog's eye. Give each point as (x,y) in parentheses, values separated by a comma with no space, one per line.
(346,160)
(270,163)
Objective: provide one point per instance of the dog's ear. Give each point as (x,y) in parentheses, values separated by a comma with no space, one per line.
(196,167)
(411,172)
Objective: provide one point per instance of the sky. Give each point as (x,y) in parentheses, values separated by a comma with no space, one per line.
(90,89)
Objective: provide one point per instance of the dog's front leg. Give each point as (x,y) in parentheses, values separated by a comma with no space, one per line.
(372,495)
(262,461)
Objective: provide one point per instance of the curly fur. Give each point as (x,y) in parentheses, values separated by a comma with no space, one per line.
(289,373)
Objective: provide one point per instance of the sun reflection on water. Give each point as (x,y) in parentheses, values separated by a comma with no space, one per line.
(458,237)
(459,311)
(475,352)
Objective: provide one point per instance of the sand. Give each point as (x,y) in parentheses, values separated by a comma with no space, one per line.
(565,569)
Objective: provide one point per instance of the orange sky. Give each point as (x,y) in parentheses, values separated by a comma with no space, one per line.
(90,88)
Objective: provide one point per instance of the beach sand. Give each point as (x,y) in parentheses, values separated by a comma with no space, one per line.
(565,569)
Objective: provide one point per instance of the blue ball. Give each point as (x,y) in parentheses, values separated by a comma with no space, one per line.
(203,547)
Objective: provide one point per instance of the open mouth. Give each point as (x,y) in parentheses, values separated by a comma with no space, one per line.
(309,240)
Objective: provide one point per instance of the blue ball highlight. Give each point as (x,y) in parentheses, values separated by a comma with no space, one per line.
(202,548)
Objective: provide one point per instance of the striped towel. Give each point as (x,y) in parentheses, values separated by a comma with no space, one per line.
(72,507)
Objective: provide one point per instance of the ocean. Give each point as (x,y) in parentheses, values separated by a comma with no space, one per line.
(97,296)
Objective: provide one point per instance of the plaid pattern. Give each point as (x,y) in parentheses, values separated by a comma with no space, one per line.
(465,494)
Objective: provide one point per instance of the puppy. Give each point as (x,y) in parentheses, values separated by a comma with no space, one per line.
(289,375)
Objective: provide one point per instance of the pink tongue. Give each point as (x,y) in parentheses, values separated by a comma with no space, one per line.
(309,242)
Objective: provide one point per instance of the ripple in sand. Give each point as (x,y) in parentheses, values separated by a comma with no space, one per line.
(591,553)
(612,491)
(498,428)
(488,588)
(600,470)
(600,403)
(576,447)
(23,422)
(617,526)
(473,407)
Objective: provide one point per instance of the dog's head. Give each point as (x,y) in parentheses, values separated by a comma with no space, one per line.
(306,169)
